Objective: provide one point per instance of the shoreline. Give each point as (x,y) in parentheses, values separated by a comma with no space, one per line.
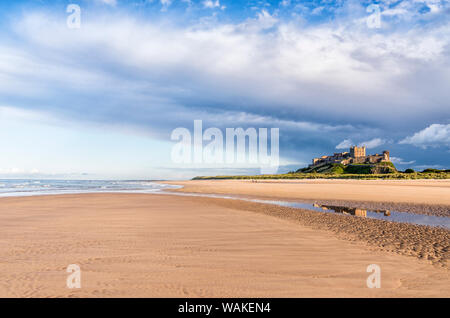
(430,197)
(438,210)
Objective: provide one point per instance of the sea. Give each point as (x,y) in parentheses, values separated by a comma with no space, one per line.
(25,187)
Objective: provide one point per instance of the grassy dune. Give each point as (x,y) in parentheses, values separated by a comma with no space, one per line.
(417,175)
(384,170)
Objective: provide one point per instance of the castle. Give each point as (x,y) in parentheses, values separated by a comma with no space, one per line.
(356,155)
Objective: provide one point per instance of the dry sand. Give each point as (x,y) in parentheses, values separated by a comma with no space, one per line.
(136,245)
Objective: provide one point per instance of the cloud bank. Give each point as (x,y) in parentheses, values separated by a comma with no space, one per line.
(433,136)
(321,83)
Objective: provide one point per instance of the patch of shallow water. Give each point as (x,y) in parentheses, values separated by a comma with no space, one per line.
(387,215)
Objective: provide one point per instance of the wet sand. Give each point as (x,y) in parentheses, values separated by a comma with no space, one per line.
(430,197)
(137,245)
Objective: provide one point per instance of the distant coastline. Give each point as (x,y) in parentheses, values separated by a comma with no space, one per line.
(398,175)
(352,164)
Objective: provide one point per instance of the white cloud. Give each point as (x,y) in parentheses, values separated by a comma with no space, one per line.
(165,4)
(434,135)
(434,5)
(264,20)
(211,4)
(109,2)
(345,144)
(400,161)
(261,66)
(373,143)
(18,171)
(317,10)
(393,12)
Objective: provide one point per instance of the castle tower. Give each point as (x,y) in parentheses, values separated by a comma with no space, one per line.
(356,152)
(386,155)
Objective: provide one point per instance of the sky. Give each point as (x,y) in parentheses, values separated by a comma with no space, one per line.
(101,101)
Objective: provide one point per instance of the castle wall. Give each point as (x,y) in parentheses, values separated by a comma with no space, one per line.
(356,152)
(356,155)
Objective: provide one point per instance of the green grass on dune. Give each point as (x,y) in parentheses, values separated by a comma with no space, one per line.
(337,168)
(295,175)
(384,170)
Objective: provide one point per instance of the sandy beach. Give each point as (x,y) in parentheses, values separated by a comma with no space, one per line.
(138,245)
(417,196)
(407,191)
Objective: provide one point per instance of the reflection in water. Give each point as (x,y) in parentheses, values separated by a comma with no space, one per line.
(393,216)
(350,211)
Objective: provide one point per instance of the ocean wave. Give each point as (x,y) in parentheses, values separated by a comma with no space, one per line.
(44,187)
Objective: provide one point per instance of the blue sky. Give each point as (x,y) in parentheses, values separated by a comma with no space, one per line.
(101,101)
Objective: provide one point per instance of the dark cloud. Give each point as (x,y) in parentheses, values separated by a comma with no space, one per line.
(319,85)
